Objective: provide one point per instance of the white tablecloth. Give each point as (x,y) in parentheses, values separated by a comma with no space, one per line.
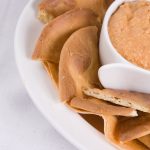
(22,127)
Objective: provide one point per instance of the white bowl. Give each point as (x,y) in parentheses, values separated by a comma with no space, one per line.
(125,75)
(42,91)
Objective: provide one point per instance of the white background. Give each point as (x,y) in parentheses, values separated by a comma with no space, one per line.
(22,127)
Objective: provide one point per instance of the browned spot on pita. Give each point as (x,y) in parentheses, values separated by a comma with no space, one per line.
(56,32)
(134,128)
(99,107)
(139,101)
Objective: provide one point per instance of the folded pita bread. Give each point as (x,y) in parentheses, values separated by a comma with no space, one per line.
(49,9)
(56,32)
(145,140)
(139,101)
(99,107)
(79,63)
(111,133)
(133,128)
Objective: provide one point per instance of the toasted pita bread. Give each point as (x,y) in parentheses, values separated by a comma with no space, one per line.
(134,128)
(52,70)
(111,133)
(56,32)
(145,140)
(99,107)
(79,63)
(49,9)
(50,55)
(139,101)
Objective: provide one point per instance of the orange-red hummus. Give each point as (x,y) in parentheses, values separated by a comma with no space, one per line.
(129,31)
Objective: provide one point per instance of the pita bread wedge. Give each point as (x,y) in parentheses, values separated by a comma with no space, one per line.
(139,101)
(52,70)
(134,128)
(145,140)
(111,133)
(79,63)
(49,9)
(56,32)
(99,107)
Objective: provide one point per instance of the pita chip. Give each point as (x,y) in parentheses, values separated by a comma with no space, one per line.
(133,128)
(56,32)
(100,108)
(139,101)
(111,133)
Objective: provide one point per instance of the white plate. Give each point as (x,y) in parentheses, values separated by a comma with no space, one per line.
(42,91)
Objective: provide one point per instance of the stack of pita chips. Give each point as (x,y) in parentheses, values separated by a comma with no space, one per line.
(68,49)
(130,133)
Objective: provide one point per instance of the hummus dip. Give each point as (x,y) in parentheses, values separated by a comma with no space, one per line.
(129,31)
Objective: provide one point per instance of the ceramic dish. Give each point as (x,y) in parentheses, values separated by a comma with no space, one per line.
(42,92)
